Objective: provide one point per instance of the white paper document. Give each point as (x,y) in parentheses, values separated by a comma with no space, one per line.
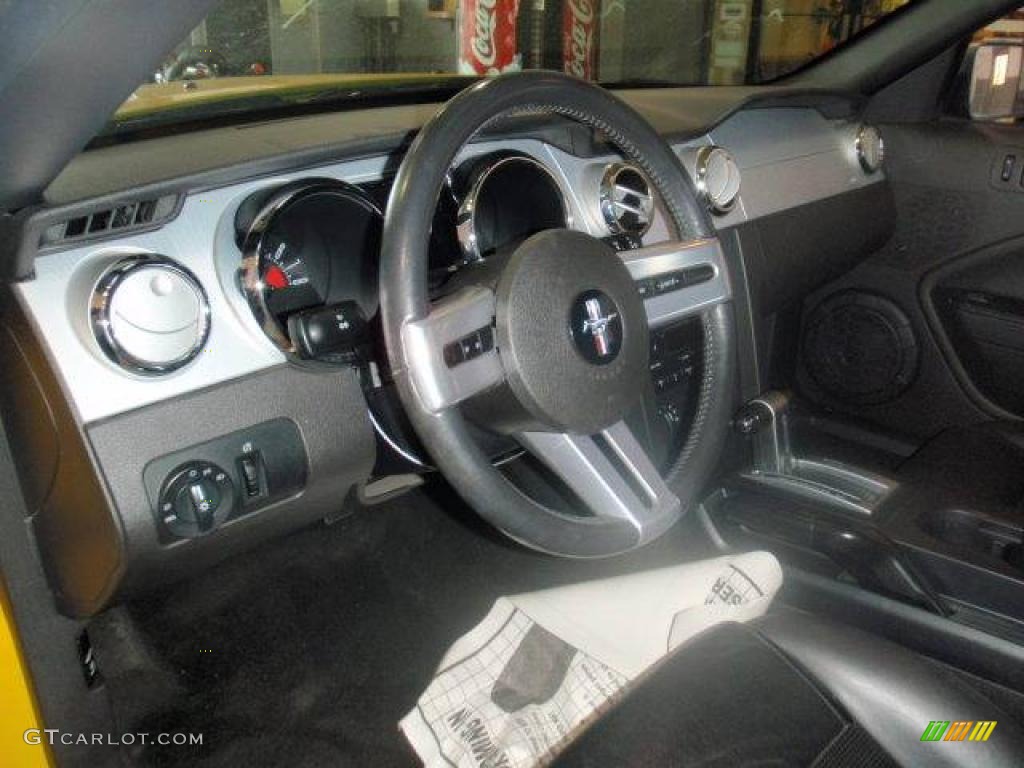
(529,678)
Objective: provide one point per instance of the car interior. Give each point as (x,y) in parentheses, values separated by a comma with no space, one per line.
(294,387)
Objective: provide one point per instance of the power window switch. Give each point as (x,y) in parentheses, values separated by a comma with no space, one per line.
(250,467)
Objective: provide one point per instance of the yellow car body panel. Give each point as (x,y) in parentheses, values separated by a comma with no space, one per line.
(154,98)
(18,711)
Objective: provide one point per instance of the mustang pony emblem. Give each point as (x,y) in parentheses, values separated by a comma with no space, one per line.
(596,327)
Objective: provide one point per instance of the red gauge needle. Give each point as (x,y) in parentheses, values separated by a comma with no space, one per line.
(276,278)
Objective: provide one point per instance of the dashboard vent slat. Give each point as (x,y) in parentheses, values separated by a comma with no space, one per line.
(108,222)
(99,222)
(626,199)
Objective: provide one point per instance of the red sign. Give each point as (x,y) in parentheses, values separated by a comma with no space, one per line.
(579,22)
(487,37)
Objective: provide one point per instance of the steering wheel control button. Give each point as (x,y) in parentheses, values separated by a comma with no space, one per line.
(699,274)
(572,332)
(650,287)
(195,499)
(669,283)
(149,315)
(596,327)
(453,354)
(469,347)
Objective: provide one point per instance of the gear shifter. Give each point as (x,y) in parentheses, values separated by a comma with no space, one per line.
(766,421)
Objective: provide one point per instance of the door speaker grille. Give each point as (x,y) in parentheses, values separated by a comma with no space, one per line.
(860,348)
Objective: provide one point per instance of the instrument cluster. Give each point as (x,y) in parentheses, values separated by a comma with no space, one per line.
(311,248)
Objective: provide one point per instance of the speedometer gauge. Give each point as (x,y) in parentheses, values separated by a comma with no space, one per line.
(306,246)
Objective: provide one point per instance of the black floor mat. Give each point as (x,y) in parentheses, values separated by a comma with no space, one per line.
(308,650)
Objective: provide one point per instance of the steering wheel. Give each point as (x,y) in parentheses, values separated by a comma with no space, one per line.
(558,335)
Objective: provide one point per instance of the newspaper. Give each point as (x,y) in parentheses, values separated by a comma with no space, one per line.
(530,677)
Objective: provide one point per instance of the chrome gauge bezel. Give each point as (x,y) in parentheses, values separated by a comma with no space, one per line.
(465,219)
(700,180)
(607,201)
(102,328)
(250,279)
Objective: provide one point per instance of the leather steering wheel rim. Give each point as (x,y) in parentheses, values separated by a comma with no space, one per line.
(405,302)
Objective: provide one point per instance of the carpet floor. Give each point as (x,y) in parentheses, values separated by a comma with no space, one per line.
(308,650)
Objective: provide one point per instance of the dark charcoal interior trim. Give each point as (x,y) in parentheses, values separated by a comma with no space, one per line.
(88,57)
(49,641)
(327,407)
(938,329)
(805,247)
(68,507)
(966,648)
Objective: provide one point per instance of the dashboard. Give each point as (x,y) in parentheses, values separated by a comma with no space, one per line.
(216,345)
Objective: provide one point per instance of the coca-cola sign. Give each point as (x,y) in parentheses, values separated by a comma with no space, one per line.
(579,22)
(487,36)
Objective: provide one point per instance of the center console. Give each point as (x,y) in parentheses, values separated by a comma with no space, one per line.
(676,362)
(942,530)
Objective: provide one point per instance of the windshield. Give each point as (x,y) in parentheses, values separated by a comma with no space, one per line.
(253,54)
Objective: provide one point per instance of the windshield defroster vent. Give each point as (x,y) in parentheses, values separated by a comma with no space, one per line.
(126,217)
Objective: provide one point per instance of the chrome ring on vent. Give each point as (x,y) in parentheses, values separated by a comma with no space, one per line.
(105,331)
(870,149)
(625,195)
(717,178)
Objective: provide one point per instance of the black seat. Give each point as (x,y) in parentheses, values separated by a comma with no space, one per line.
(795,690)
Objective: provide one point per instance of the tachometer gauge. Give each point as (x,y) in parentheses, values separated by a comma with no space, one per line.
(284,274)
(305,246)
(281,270)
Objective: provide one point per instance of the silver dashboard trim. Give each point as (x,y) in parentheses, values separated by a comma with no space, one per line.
(789,157)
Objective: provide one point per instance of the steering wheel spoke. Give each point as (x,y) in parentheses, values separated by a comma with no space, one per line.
(611,474)
(450,353)
(678,279)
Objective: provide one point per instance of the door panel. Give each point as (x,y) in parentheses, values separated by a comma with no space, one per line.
(954,270)
(978,307)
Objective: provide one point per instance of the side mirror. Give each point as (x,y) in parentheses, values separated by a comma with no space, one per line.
(997,85)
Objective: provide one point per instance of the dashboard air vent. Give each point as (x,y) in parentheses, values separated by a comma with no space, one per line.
(627,203)
(870,149)
(717,178)
(106,222)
